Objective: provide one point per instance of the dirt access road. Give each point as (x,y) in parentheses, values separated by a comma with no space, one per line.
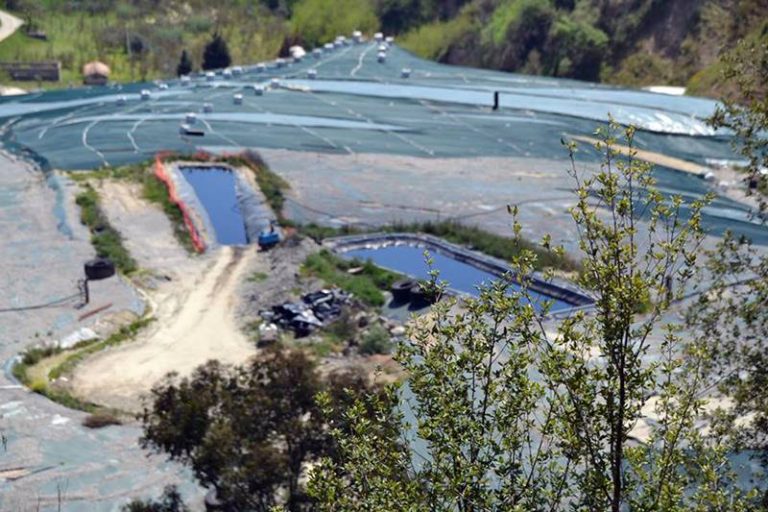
(196,323)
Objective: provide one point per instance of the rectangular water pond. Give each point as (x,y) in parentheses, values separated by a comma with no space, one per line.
(215,189)
(460,276)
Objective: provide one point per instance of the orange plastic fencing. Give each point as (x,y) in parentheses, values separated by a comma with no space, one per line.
(162,175)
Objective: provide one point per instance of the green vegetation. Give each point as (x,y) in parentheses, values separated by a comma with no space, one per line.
(105,239)
(249,431)
(489,243)
(498,246)
(366,284)
(169,501)
(315,22)
(319,233)
(77,353)
(272,186)
(435,40)
(324,347)
(578,388)
(139,40)
(34,356)
(376,341)
(125,333)
(185,64)
(153,190)
(257,277)
(216,54)
(632,42)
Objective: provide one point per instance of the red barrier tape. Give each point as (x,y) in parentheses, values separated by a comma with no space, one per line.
(162,175)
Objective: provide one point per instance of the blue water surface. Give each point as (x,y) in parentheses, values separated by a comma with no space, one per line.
(460,276)
(215,188)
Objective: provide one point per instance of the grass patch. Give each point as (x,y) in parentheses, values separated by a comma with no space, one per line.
(42,386)
(323,347)
(257,277)
(434,40)
(319,233)
(79,32)
(125,333)
(105,239)
(469,236)
(155,191)
(376,341)
(152,189)
(489,243)
(366,284)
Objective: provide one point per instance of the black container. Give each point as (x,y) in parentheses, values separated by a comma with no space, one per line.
(421,297)
(401,290)
(99,268)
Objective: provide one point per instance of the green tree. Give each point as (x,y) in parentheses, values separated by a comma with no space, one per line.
(170,501)
(247,432)
(576,49)
(515,412)
(185,64)
(730,315)
(744,108)
(319,21)
(216,53)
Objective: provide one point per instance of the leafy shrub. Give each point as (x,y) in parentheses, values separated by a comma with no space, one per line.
(365,285)
(434,40)
(170,501)
(489,243)
(105,239)
(343,329)
(34,355)
(320,21)
(517,16)
(376,341)
(155,191)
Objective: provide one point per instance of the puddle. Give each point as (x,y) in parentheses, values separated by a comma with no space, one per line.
(460,276)
(215,189)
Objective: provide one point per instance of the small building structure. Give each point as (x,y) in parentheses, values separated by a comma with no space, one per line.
(95,73)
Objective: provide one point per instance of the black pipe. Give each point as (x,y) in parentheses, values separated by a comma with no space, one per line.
(495,100)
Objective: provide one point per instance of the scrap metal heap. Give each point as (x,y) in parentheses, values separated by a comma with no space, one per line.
(315,310)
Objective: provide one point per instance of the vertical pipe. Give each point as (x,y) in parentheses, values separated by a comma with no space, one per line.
(495,100)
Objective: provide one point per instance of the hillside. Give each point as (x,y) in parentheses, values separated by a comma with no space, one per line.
(628,42)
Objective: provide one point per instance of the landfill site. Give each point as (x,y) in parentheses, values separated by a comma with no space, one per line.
(363,133)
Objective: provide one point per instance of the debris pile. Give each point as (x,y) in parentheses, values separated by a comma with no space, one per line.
(315,310)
